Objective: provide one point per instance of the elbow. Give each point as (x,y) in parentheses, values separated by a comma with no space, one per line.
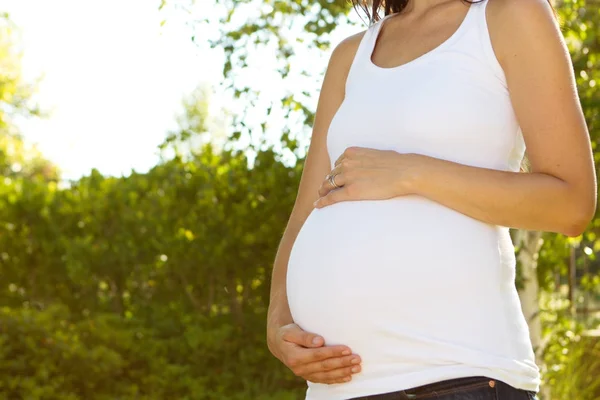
(580,219)
(574,230)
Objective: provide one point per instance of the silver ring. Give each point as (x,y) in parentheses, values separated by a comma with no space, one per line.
(331,179)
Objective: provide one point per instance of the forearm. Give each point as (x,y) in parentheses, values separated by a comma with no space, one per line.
(279,313)
(532,201)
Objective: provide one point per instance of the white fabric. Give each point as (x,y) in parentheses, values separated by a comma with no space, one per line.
(421,292)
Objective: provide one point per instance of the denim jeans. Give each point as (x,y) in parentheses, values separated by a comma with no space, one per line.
(472,388)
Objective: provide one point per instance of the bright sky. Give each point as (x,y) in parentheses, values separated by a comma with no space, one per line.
(113,78)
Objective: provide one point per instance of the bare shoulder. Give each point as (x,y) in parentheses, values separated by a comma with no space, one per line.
(522,8)
(515,25)
(347,48)
(344,52)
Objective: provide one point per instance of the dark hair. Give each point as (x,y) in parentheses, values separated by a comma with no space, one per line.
(395,6)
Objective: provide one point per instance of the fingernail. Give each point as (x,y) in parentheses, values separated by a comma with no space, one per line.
(316,340)
(347,379)
(355,369)
(355,361)
(346,352)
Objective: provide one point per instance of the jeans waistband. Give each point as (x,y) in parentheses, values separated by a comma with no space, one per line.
(447,384)
(440,386)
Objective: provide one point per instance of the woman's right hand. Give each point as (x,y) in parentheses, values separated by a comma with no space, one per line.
(307,356)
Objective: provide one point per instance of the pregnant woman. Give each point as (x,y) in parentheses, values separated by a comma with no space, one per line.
(395,277)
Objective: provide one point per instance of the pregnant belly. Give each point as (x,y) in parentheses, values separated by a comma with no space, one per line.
(368,272)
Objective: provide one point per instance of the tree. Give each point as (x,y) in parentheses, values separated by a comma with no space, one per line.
(16,157)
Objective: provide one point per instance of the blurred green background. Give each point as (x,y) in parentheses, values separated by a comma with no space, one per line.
(155,285)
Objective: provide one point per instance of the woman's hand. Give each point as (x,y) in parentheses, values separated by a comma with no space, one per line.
(305,354)
(369,174)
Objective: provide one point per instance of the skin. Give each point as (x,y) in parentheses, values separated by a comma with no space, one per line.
(286,341)
(558,195)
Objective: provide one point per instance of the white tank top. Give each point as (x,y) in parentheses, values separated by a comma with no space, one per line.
(421,292)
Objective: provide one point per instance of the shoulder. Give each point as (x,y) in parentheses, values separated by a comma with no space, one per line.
(515,25)
(344,52)
(516,5)
(516,12)
(341,60)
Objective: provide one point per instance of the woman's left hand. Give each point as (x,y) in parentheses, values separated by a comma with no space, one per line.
(369,174)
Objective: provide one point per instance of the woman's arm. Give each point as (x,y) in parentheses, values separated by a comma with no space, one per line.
(294,347)
(316,165)
(532,201)
(559,195)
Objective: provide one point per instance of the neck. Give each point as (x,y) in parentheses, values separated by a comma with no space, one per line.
(420,6)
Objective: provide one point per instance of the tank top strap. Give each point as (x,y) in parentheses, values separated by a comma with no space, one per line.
(481,30)
(365,50)
(478,13)
(373,31)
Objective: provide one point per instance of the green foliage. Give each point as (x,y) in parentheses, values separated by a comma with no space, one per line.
(16,159)
(51,354)
(162,279)
(15,94)
(572,359)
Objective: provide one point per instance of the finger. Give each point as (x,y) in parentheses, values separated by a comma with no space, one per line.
(327,186)
(343,380)
(297,358)
(295,334)
(328,364)
(339,159)
(348,153)
(334,375)
(335,196)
